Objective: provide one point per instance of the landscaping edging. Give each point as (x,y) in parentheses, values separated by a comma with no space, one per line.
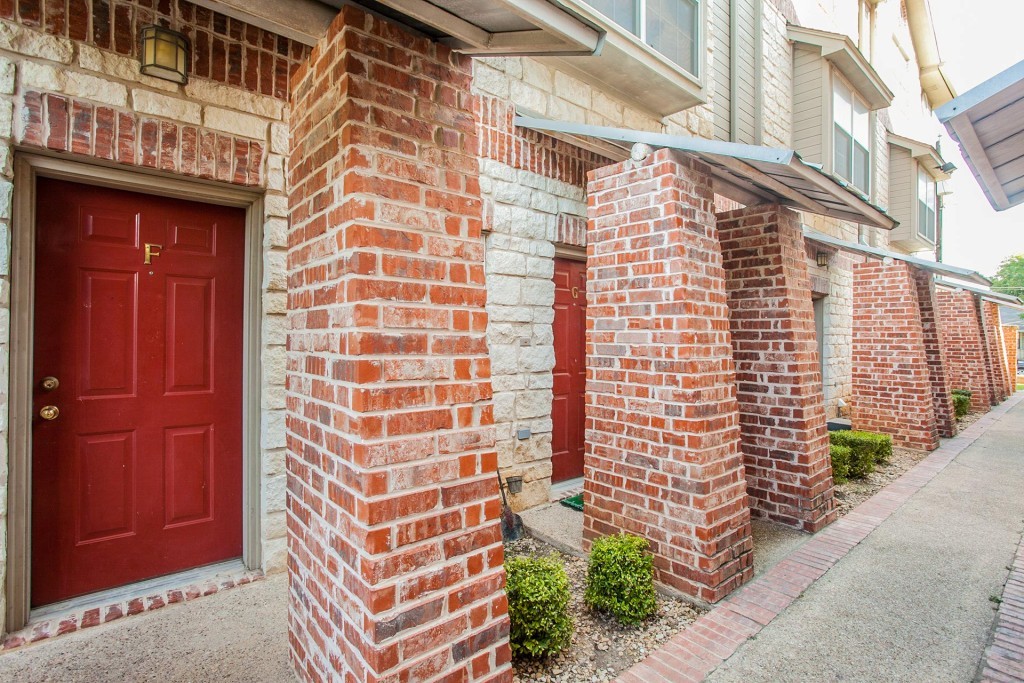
(698,650)
(1004,657)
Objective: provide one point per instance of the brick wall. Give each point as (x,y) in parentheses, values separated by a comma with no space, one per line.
(224,49)
(995,354)
(662,452)
(961,336)
(1010,333)
(68,84)
(935,351)
(892,390)
(782,416)
(395,552)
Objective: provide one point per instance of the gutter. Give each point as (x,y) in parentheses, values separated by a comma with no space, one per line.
(936,85)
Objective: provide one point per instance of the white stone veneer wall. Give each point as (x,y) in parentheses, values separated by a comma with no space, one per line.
(30,59)
(522,210)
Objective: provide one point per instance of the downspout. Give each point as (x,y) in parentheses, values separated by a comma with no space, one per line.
(934,82)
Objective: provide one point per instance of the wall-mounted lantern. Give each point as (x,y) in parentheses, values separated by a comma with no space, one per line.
(822,259)
(165,54)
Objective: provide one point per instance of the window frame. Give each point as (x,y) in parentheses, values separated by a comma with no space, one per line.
(922,203)
(640,37)
(831,122)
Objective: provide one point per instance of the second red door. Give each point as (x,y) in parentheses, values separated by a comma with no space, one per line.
(570,375)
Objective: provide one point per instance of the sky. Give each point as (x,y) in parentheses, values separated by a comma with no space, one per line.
(978,39)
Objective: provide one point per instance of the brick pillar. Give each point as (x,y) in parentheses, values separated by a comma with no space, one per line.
(778,375)
(662,451)
(961,337)
(892,386)
(992,330)
(935,351)
(395,555)
(1010,333)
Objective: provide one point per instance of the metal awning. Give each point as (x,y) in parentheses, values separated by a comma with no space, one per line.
(931,266)
(749,174)
(988,123)
(995,297)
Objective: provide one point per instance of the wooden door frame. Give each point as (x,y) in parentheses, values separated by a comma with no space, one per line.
(27,167)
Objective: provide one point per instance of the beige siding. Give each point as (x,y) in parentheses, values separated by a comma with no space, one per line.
(903,195)
(721,67)
(747,72)
(809,107)
(735,104)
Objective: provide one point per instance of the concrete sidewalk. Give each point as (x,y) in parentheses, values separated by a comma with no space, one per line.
(915,600)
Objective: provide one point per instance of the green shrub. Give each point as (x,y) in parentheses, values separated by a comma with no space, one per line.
(620,578)
(538,605)
(961,405)
(841,456)
(963,392)
(867,450)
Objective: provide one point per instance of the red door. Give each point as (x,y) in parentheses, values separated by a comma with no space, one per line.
(140,472)
(567,411)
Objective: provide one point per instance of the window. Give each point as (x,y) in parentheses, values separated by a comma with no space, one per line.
(926,206)
(668,26)
(851,142)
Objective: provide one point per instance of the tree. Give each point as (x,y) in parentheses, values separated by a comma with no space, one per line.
(1009,279)
(1010,276)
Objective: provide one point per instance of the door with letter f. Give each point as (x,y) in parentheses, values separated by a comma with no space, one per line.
(136,388)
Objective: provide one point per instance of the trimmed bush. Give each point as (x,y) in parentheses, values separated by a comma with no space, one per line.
(963,392)
(866,450)
(538,606)
(961,405)
(620,578)
(841,456)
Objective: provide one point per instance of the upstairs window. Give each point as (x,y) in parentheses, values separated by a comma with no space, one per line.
(668,26)
(926,206)
(851,137)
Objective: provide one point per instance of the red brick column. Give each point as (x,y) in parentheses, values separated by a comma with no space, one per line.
(935,351)
(1010,333)
(662,452)
(892,386)
(778,377)
(992,329)
(395,556)
(961,337)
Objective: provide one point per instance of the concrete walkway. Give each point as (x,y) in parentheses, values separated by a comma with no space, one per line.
(903,588)
(236,635)
(913,601)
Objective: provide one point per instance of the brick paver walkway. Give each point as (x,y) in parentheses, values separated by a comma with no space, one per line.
(1004,658)
(697,651)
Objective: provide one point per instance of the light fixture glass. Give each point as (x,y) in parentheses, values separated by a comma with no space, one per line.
(165,54)
(822,259)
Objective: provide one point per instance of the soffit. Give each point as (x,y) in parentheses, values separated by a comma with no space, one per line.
(988,124)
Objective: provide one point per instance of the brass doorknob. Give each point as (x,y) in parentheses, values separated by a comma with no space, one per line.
(49,412)
(50,383)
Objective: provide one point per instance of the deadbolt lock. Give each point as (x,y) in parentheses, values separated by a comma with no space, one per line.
(49,412)
(50,383)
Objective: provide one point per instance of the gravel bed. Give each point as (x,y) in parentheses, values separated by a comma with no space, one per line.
(854,492)
(601,648)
